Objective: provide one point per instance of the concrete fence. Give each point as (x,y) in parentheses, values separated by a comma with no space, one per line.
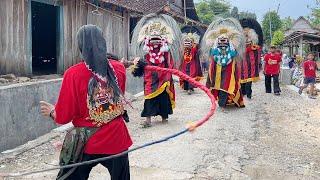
(134,85)
(20,119)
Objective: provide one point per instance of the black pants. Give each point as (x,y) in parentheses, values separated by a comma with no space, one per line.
(276,87)
(118,168)
(159,105)
(246,89)
(187,86)
(223,99)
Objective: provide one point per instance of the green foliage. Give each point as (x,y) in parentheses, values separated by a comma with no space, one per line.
(287,23)
(246,14)
(276,24)
(278,38)
(207,9)
(220,7)
(204,12)
(315,17)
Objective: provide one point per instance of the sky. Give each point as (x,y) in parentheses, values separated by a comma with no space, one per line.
(292,8)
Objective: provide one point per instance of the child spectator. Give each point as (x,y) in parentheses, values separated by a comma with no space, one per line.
(272,70)
(309,67)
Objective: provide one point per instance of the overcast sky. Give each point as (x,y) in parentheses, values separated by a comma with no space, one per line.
(293,8)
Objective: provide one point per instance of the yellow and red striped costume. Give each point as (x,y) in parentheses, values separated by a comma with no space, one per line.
(227,79)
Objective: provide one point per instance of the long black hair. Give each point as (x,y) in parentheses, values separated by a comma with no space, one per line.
(93,48)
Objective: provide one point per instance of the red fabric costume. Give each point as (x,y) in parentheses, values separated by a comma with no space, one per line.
(157,82)
(191,65)
(113,137)
(250,65)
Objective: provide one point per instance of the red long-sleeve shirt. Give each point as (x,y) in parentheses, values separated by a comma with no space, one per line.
(113,137)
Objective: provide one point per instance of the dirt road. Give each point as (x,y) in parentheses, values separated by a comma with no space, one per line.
(272,138)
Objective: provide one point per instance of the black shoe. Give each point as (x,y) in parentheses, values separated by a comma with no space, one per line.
(277,94)
(249,96)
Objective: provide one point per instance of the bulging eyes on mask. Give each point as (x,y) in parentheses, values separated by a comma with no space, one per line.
(223,42)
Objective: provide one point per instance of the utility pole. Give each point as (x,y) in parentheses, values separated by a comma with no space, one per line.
(185,11)
(270,26)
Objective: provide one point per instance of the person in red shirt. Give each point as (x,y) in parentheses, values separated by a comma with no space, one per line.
(91,97)
(309,70)
(272,71)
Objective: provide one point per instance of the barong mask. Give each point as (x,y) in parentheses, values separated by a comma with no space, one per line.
(224,40)
(253,33)
(156,35)
(251,37)
(190,42)
(104,99)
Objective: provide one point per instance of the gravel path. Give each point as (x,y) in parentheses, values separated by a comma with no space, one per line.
(272,138)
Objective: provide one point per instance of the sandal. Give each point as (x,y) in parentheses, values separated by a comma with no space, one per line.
(164,121)
(312,97)
(145,124)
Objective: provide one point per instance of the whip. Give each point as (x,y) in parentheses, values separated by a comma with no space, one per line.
(190,127)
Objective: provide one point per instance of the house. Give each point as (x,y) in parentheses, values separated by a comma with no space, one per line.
(182,10)
(302,35)
(39,36)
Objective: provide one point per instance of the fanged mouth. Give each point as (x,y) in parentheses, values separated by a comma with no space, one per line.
(155,40)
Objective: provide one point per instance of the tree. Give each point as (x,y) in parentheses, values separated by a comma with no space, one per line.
(287,23)
(246,14)
(278,38)
(207,9)
(204,12)
(315,17)
(270,18)
(235,13)
(220,7)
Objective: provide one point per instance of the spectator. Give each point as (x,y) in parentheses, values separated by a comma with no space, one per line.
(272,70)
(309,72)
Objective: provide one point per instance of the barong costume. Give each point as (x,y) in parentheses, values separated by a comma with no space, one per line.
(223,43)
(157,39)
(190,64)
(251,64)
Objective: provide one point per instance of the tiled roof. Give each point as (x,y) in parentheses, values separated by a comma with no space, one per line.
(153,6)
(142,6)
